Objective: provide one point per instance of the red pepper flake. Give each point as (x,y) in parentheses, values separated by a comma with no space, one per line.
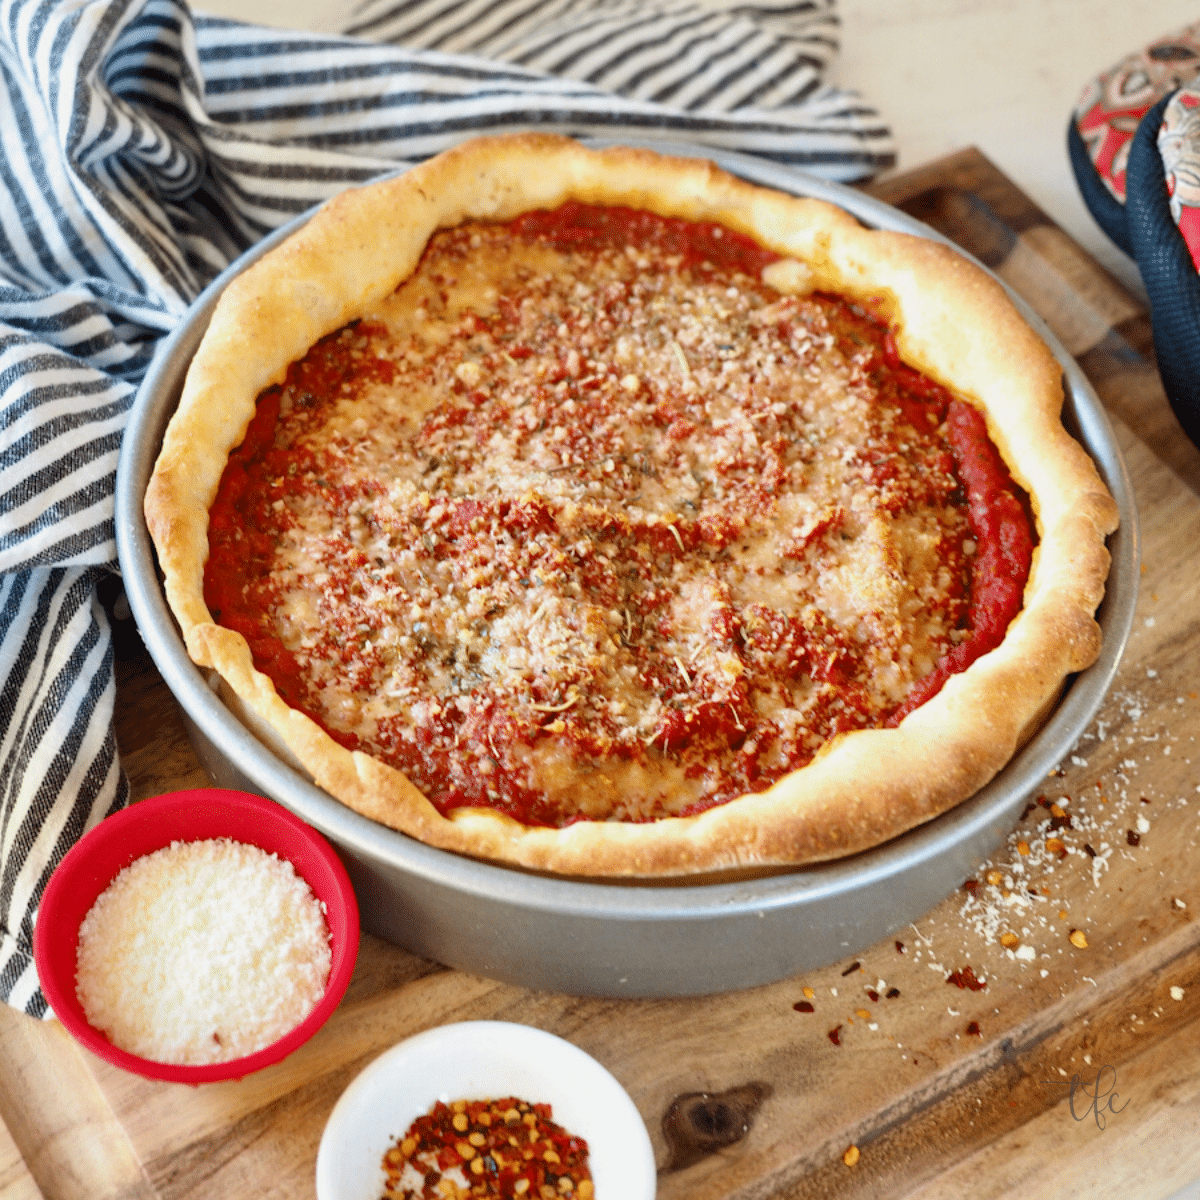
(1144,800)
(900,948)
(474,1137)
(835,1035)
(1091,853)
(965,978)
(973,1028)
(892,993)
(971,885)
(857,966)
(1132,838)
(873,994)
(803,1006)
(1061,822)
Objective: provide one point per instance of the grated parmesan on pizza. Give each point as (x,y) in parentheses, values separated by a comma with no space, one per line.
(599,517)
(596,511)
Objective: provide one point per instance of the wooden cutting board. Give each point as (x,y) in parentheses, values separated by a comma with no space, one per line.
(944,1090)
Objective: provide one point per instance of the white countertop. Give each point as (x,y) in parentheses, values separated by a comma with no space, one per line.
(1001,75)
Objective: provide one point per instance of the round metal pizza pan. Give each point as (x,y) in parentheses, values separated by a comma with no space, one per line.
(625,939)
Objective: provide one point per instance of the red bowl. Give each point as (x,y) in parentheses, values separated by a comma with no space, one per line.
(202,813)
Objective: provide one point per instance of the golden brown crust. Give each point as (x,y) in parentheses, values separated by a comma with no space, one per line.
(953,322)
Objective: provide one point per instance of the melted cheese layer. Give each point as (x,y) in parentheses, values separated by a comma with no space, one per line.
(609,534)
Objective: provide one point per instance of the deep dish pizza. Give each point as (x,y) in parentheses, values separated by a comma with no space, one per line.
(601,513)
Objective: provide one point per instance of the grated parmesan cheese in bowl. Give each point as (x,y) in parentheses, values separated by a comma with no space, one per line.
(197,936)
(202,952)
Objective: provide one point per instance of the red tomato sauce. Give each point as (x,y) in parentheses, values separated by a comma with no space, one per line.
(587,227)
(1005,550)
(250,515)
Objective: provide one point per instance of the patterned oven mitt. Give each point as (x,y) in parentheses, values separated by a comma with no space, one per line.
(1134,142)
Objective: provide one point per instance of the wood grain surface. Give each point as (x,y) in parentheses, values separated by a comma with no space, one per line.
(16,1183)
(943,1090)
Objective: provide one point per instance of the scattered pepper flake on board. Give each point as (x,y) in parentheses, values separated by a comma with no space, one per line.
(892,993)
(965,978)
(803,1006)
(835,1035)
(873,994)
(855,966)
(1074,837)
(974,1030)
(1132,837)
(900,947)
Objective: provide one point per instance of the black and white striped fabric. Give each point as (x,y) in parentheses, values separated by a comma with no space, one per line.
(143,147)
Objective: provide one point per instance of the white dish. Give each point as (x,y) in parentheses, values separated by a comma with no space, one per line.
(484,1060)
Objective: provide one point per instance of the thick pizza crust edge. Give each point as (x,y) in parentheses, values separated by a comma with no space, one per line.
(953,322)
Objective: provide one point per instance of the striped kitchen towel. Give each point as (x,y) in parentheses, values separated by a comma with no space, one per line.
(143,147)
